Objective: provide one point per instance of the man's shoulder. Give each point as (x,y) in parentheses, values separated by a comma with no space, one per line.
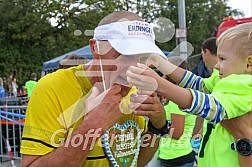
(58,75)
(66,79)
(30,81)
(58,78)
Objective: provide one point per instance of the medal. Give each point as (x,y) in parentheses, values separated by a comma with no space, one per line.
(122,144)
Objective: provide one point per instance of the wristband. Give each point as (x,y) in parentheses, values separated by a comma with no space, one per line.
(164,130)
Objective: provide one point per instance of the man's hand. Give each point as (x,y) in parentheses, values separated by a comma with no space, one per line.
(104,109)
(148,104)
(240,127)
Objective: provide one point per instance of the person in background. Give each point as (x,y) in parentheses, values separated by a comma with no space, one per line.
(14,86)
(5,86)
(209,55)
(9,83)
(29,85)
(208,58)
(2,91)
(177,150)
(201,69)
(22,92)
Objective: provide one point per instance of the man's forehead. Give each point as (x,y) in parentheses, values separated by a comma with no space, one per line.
(123,59)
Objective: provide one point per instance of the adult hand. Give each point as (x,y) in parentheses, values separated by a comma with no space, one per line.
(239,127)
(143,77)
(146,103)
(104,109)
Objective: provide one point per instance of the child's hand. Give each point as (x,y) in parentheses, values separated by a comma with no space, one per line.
(161,64)
(143,77)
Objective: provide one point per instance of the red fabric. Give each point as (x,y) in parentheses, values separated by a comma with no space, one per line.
(231,23)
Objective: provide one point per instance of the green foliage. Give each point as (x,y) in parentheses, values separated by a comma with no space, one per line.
(28,38)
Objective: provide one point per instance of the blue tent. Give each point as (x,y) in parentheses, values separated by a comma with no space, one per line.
(54,63)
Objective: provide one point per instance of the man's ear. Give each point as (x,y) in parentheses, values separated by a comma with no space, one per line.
(93,47)
(207,52)
(249,64)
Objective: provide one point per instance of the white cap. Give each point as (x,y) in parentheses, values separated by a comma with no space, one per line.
(129,37)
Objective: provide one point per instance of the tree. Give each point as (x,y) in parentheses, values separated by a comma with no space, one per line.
(28,38)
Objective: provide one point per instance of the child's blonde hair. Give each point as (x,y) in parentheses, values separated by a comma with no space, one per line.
(239,38)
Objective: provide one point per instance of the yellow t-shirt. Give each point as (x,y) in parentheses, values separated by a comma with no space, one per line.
(56,109)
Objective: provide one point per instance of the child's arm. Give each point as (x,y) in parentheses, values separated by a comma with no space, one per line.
(190,80)
(182,77)
(192,101)
(167,68)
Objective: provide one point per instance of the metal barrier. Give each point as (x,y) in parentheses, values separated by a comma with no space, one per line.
(12,120)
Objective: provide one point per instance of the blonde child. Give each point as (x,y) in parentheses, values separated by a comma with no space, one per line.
(229,98)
